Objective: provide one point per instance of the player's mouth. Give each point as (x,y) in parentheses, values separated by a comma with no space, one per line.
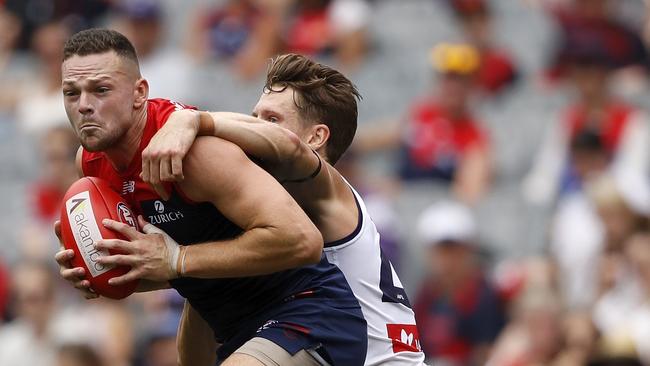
(88,125)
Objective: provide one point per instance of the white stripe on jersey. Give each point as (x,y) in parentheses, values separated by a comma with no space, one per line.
(392,334)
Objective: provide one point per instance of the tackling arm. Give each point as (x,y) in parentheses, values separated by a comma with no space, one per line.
(280,150)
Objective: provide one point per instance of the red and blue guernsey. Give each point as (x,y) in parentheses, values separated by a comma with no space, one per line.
(310,307)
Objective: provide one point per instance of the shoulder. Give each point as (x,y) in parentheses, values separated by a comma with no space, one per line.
(209,149)
(160,109)
(212,162)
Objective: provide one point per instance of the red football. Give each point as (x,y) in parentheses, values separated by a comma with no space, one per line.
(86,203)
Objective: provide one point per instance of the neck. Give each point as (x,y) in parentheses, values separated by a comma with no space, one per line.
(122,154)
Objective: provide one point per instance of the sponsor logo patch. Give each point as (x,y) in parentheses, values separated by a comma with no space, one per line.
(405,337)
(86,232)
(126,216)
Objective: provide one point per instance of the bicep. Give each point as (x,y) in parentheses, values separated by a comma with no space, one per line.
(219,172)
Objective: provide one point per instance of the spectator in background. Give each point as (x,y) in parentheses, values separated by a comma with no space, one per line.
(77,355)
(167,70)
(622,311)
(106,325)
(497,70)
(39,102)
(443,141)
(595,19)
(160,348)
(329,27)
(459,311)
(539,331)
(576,240)
(76,14)
(58,148)
(535,334)
(245,33)
(28,340)
(9,32)
(622,130)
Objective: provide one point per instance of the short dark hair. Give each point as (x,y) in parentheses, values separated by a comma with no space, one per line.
(321,94)
(99,40)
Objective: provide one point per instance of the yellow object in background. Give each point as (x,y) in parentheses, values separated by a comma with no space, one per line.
(455,58)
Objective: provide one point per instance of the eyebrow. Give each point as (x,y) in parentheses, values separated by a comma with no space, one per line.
(91,79)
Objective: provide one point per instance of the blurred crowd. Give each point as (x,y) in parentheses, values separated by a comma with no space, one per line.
(503,150)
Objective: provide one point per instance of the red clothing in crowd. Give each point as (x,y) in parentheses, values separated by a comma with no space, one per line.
(310,32)
(436,141)
(617,116)
(497,71)
(453,324)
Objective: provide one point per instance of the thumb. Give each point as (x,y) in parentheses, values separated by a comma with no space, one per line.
(148,228)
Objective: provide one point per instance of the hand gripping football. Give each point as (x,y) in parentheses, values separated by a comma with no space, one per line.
(86,203)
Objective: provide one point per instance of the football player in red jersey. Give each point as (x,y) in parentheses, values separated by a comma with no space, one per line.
(250,263)
(304,121)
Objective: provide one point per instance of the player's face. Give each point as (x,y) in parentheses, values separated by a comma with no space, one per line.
(99,92)
(279,107)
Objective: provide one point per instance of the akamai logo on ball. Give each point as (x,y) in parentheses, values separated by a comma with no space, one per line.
(86,232)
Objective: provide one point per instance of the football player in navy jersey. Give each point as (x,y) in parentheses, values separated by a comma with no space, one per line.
(304,121)
(239,248)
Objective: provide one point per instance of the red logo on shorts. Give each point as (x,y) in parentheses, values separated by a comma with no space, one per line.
(405,337)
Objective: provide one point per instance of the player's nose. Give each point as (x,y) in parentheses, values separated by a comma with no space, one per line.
(85,105)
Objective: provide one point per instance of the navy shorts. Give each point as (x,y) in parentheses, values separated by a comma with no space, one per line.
(309,321)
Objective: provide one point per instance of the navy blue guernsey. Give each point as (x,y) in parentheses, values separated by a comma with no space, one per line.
(232,306)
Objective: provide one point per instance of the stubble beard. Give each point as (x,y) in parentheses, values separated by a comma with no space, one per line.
(101,141)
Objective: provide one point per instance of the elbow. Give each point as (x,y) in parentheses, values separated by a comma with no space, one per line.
(308,246)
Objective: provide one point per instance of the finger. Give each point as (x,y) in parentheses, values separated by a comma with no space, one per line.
(146,163)
(131,275)
(114,244)
(166,170)
(118,260)
(160,189)
(177,168)
(83,285)
(141,221)
(73,274)
(122,228)
(148,228)
(90,295)
(57,229)
(154,172)
(63,257)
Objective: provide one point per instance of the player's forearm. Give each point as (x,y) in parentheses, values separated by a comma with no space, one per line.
(258,251)
(276,146)
(146,286)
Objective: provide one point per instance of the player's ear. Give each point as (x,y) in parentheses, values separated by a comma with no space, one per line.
(140,93)
(319,136)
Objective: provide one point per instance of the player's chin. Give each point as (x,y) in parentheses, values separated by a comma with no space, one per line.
(94,143)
